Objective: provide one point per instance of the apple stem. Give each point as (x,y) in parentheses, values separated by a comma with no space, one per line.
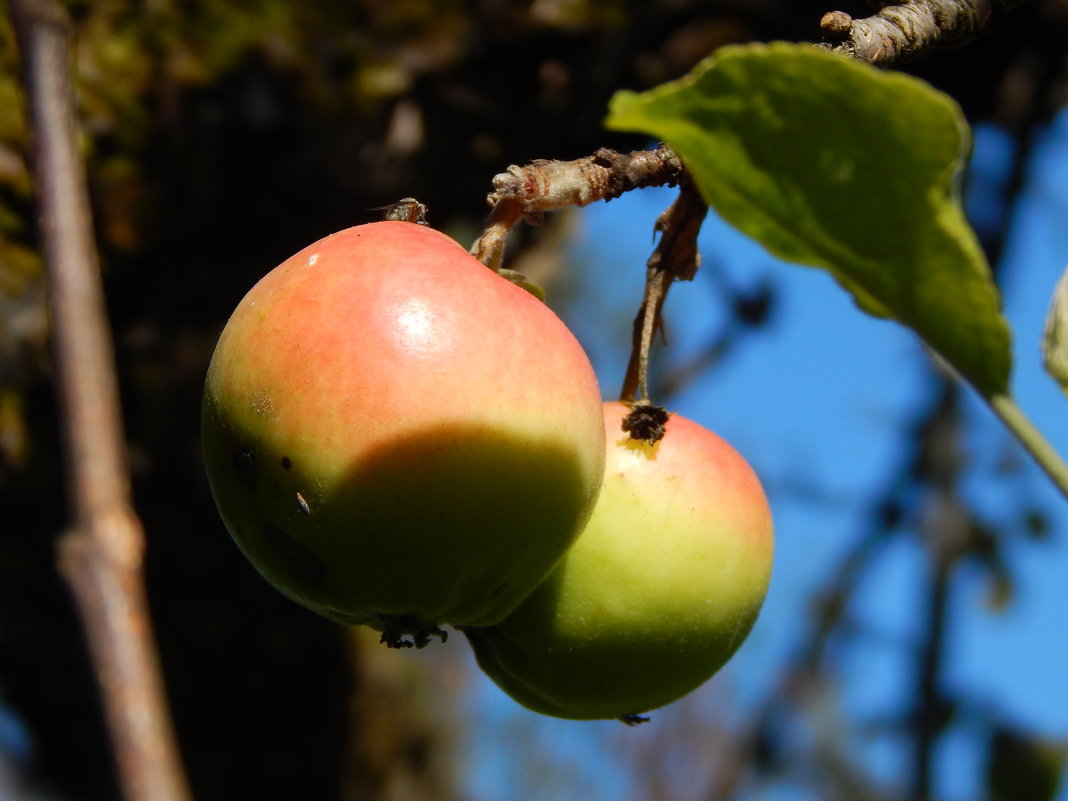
(648,321)
(675,258)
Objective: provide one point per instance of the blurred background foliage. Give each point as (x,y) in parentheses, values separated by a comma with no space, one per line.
(222,136)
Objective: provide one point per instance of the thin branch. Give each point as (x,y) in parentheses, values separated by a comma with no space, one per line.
(929,714)
(906,31)
(945,526)
(101,554)
(527,192)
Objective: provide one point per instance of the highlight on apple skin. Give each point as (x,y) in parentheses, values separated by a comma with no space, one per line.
(396,436)
(659,591)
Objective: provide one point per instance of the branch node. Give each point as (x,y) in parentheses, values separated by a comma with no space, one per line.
(836,24)
(907,30)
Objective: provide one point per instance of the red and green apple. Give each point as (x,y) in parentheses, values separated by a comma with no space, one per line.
(661,588)
(397,436)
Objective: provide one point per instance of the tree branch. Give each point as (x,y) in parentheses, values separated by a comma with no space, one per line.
(526,192)
(908,30)
(101,554)
(945,526)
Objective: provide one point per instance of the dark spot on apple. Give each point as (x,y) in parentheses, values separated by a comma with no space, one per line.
(499,589)
(296,554)
(286,463)
(245,464)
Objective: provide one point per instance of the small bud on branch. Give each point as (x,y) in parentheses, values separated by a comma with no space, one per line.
(904,31)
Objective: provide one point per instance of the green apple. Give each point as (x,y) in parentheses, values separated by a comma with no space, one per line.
(658,592)
(397,436)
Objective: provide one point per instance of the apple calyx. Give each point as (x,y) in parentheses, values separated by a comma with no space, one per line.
(395,629)
(646,422)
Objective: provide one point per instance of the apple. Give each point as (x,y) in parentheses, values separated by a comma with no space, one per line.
(660,589)
(397,436)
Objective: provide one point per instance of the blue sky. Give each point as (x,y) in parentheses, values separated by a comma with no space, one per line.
(816,401)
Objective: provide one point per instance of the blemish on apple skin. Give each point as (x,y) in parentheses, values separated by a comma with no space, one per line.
(297,555)
(286,463)
(245,464)
(302,505)
(262,404)
(312,259)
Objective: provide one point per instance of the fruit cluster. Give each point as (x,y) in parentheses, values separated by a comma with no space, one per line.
(398,437)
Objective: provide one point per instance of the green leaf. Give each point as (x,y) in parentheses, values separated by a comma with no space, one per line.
(1055,337)
(831,163)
